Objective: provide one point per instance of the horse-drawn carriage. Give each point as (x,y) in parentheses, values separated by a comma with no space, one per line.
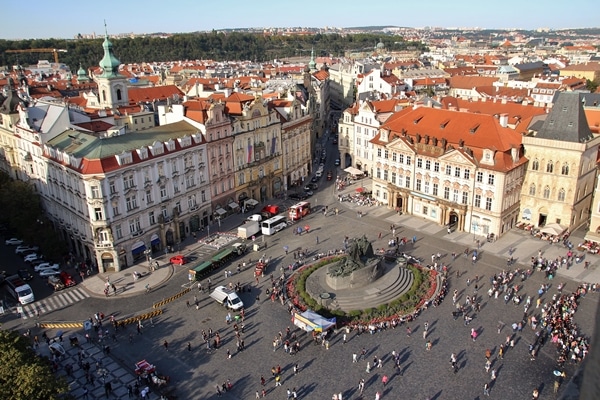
(148,372)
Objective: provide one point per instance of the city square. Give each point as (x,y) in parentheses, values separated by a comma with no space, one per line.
(195,372)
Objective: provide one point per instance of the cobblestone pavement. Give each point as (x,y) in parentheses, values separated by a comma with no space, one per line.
(323,372)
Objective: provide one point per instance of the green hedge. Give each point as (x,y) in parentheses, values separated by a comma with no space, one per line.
(402,305)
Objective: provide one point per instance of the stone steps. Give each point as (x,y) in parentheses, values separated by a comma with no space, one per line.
(389,287)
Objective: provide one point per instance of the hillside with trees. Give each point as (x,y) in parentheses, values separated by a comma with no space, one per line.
(217,46)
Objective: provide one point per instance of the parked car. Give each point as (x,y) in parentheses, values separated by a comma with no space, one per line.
(334,141)
(55,283)
(25,274)
(310,186)
(269,211)
(298,196)
(37,262)
(178,260)
(45,265)
(314,179)
(13,242)
(329,175)
(255,217)
(31,257)
(67,279)
(22,249)
(337,162)
(49,272)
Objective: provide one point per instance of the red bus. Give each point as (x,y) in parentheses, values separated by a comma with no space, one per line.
(299,210)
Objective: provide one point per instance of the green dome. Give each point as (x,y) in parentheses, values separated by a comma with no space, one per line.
(109,63)
(82,74)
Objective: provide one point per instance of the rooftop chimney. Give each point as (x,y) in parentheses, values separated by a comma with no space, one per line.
(503,120)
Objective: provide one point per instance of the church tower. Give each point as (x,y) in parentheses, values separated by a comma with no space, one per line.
(112,86)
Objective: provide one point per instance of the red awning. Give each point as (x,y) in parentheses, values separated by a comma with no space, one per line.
(360,190)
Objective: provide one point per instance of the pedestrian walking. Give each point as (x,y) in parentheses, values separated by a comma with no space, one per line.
(368,370)
(493,375)
(189,346)
(354,357)
(408,331)
(384,380)
(166,345)
(361,386)
(486,389)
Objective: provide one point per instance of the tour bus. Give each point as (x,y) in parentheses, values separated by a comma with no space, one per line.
(19,290)
(273,225)
(299,210)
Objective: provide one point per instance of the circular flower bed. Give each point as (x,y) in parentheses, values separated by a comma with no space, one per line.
(422,290)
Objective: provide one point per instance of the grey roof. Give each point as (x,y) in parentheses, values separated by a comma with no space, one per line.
(566,121)
(84,145)
(529,66)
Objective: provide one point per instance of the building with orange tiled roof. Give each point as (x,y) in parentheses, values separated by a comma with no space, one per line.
(379,84)
(459,169)
(358,126)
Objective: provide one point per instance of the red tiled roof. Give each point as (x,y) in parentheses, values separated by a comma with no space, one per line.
(475,131)
(144,94)
(516,111)
(470,82)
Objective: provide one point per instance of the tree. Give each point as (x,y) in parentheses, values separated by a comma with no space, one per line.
(591,85)
(25,375)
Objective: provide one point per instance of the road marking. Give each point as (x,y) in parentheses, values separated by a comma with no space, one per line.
(56,301)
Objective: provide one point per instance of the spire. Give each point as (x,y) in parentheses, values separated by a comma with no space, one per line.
(82,75)
(312,65)
(109,63)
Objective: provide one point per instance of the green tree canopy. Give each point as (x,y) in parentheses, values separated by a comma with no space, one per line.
(23,215)
(23,374)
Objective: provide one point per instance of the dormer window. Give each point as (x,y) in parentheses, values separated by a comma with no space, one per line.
(157,149)
(170,145)
(142,153)
(124,158)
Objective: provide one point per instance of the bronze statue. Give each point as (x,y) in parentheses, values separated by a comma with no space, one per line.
(359,254)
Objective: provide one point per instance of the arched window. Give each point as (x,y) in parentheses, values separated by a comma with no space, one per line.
(119,94)
(104,95)
(547,192)
(565,169)
(550,167)
(532,190)
(561,194)
(535,165)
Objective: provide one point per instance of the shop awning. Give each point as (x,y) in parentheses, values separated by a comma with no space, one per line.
(138,248)
(154,240)
(353,171)
(250,203)
(311,321)
(233,205)
(220,211)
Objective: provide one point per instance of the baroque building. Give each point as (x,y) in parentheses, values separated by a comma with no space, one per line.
(454,168)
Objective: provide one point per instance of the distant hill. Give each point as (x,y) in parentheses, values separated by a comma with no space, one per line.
(214,45)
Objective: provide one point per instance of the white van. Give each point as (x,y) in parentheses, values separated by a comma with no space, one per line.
(227,297)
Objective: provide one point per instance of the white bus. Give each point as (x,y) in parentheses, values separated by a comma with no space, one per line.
(273,225)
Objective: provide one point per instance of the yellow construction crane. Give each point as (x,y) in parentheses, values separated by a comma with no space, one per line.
(53,51)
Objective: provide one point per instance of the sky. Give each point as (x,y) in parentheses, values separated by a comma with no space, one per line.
(42,19)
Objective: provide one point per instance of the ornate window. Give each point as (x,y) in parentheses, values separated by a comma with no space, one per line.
(547,192)
(550,167)
(532,190)
(535,165)
(565,169)
(561,194)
